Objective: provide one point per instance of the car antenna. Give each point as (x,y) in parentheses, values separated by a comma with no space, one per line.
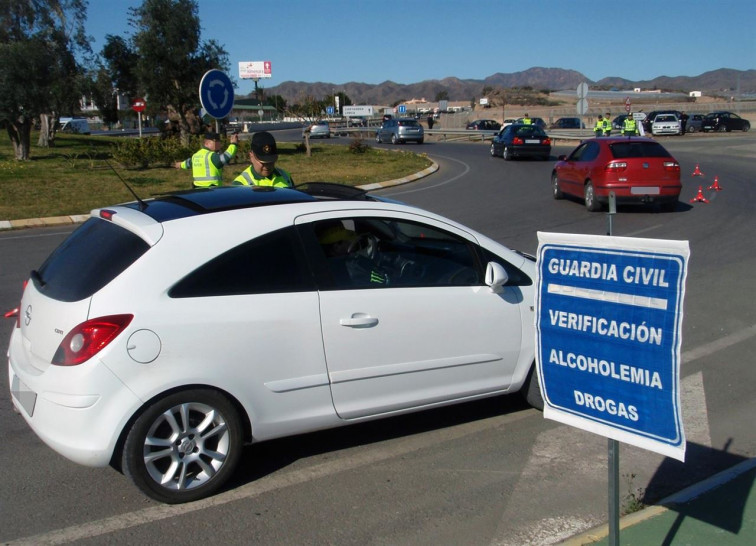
(142,204)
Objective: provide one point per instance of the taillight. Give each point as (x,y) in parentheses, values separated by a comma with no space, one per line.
(89,338)
(517,140)
(546,141)
(616,166)
(15,313)
(672,166)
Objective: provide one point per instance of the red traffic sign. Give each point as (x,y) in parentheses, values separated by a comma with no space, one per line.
(138,105)
(627,104)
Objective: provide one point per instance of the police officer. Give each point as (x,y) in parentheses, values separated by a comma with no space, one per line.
(262,171)
(526,119)
(608,124)
(599,128)
(630,128)
(207,164)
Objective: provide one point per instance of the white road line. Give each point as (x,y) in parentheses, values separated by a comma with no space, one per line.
(276,481)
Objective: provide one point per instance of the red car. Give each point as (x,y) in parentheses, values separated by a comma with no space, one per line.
(636,169)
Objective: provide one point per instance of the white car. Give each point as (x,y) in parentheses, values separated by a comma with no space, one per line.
(319,129)
(666,124)
(164,334)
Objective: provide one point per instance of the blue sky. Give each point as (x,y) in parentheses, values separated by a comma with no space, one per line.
(408,41)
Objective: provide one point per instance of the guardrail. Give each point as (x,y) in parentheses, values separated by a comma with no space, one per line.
(465,134)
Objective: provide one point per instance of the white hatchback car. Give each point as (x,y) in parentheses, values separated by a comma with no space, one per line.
(162,335)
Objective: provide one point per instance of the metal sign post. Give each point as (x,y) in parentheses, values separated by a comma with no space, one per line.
(613,447)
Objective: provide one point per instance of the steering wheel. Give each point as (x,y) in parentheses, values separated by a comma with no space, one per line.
(366,244)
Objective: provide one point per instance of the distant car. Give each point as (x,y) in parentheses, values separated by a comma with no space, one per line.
(649,119)
(76,126)
(148,342)
(636,169)
(567,123)
(399,131)
(618,123)
(319,129)
(695,123)
(484,125)
(666,124)
(535,121)
(508,121)
(357,122)
(519,140)
(725,121)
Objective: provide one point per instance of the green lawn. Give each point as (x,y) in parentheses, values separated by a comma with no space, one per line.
(79,173)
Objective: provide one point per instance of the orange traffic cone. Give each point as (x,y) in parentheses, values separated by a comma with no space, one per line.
(715,186)
(699,196)
(697,172)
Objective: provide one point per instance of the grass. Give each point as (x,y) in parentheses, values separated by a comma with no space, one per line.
(76,175)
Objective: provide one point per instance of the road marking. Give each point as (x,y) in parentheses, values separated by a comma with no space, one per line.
(380,452)
(438,185)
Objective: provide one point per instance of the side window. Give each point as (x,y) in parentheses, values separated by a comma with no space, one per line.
(267,264)
(357,253)
(591,152)
(577,155)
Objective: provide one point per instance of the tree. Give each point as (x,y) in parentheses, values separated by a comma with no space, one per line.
(40,75)
(442,95)
(277,102)
(171,59)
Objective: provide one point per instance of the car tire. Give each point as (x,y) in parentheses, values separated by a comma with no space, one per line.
(394,139)
(420,141)
(555,191)
(746,127)
(378,139)
(531,389)
(493,151)
(506,153)
(193,437)
(591,203)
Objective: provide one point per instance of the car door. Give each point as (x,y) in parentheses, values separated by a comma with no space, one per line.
(417,326)
(576,168)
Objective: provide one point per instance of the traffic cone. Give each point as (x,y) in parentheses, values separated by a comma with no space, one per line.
(697,172)
(715,186)
(699,196)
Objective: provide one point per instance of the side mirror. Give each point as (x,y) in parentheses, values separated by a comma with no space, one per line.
(496,276)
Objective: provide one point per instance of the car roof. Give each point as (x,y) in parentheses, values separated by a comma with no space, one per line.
(195,202)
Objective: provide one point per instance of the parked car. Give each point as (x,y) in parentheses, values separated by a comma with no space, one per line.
(695,123)
(568,123)
(484,125)
(666,124)
(636,169)
(399,131)
(725,121)
(149,342)
(649,119)
(76,126)
(618,123)
(319,129)
(357,121)
(535,121)
(508,121)
(518,140)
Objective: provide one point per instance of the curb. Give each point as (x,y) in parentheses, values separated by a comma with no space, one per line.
(80,218)
(688,494)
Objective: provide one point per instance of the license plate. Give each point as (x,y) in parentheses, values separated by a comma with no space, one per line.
(24,395)
(532,141)
(645,190)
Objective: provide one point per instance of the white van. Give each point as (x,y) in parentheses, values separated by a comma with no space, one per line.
(79,126)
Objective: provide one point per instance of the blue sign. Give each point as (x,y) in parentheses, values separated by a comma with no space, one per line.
(216,94)
(608,321)
(402,109)
(329,110)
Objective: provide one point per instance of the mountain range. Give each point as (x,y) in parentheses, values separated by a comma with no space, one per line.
(721,82)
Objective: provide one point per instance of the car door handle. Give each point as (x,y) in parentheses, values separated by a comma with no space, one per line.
(359,320)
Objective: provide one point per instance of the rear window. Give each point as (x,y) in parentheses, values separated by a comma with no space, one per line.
(621,150)
(92,256)
(409,123)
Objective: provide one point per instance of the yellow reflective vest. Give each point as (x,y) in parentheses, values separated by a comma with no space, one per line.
(248,177)
(630,126)
(207,166)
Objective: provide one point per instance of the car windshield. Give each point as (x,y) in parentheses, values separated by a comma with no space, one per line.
(626,149)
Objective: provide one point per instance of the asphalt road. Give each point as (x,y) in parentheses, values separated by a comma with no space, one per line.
(491,472)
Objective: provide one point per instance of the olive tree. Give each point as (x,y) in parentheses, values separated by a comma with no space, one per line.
(41,42)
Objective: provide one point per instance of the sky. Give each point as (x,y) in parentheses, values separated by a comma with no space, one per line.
(409,41)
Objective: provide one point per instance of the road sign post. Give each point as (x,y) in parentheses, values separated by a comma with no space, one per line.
(139,105)
(216,94)
(608,338)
